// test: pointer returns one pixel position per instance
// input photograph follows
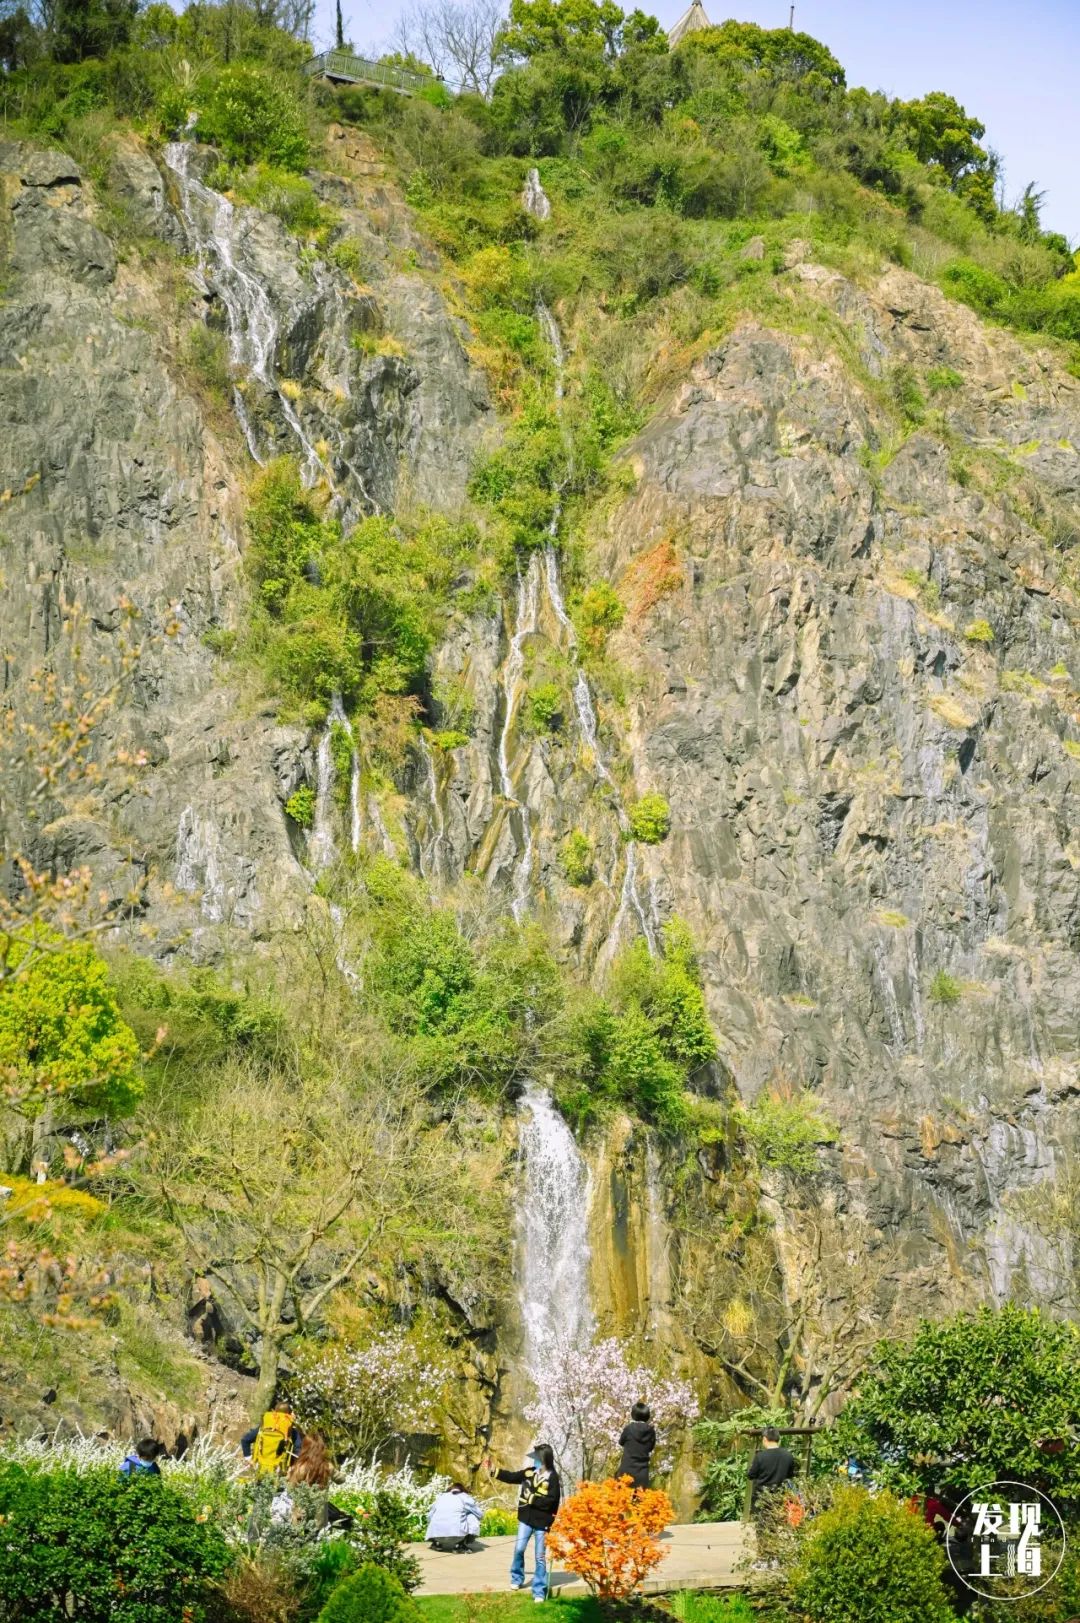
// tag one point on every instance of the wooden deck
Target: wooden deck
(700, 1555)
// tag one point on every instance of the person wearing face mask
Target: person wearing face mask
(539, 1492)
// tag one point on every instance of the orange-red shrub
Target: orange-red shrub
(607, 1534)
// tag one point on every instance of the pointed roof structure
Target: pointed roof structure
(688, 23)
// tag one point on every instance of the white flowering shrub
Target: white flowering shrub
(358, 1481)
(362, 1398)
(585, 1401)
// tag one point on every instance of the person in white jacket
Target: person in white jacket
(454, 1520)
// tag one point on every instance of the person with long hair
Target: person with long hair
(538, 1500)
(312, 1463)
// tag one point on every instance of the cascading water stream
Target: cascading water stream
(526, 620)
(430, 856)
(534, 199)
(553, 1235)
(322, 848)
(535, 202)
(252, 324)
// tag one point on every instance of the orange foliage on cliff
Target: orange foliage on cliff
(651, 576)
(607, 1534)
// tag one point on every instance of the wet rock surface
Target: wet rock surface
(860, 699)
(853, 664)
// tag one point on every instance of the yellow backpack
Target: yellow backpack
(272, 1448)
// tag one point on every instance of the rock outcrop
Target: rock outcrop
(852, 643)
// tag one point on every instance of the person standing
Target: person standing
(274, 1446)
(538, 1501)
(771, 1466)
(637, 1442)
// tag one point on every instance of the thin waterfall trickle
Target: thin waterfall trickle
(430, 856)
(553, 1235)
(536, 202)
(252, 324)
(355, 822)
(534, 199)
(323, 845)
(528, 609)
(199, 864)
(379, 825)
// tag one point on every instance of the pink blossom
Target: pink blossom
(584, 1401)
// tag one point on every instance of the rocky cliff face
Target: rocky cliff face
(860, 695)
(854, 657)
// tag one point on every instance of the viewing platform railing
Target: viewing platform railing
(345, 68)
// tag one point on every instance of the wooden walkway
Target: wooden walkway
(700, 1555)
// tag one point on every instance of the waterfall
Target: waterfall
(198, 863)
(354, 800)
(553, 1236)
(252, 324)
(583, 699)
(375, 813)
(555, 598)
(629, 901)
(528, 607)
(438, 824)
(892, 1005)
(657, 1255)
(323, 845)
(534, 199)
(916, 992)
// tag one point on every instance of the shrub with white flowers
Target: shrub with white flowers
(362, 1398)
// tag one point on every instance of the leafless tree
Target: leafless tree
(282, 1188)
(456, 38)
(792, 1311)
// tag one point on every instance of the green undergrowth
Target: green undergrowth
(357, 614)
(493, 1010)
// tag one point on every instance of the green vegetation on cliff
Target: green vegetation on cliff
(335, 1145)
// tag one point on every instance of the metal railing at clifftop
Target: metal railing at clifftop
(345, 68)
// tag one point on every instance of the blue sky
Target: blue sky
(1012, 63)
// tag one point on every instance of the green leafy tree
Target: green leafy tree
(63, 1043)
(942, 133)
(655, 1034)
(779, 53)
(784, 1131)
(576, 858)
(987, 1395)
(727, 1450)
(253, 116)
(650, 819)
(103, 1549)
(78, 29)
(869, 1559)
(300, 806)
(568, 27)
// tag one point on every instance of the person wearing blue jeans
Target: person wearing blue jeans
(539, 1492)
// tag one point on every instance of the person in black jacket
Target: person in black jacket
(771, 1466)
(538, 1501)
(637, 1441)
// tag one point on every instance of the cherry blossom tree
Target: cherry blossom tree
(584, 1401)
(361, 1398)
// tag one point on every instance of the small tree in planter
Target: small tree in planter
(607, 1533)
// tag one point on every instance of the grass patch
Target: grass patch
(487, 1608)
(945, 989)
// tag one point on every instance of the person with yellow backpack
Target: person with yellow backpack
(273, 1446)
